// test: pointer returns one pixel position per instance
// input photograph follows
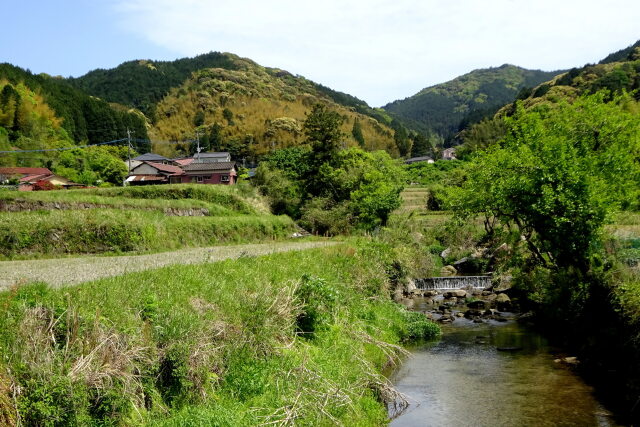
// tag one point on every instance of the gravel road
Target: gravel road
(71, 271)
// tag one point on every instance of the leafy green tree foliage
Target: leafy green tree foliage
(421, 145)
(228, 116)
(93, 165)
(198, 119)
(322, 129)
(556, 175)
(401, 138)
(481, 136)
(356, 132)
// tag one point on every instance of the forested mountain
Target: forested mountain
(43, 118)
(234, 104)
(449, 107)
(617, 73)
(84, 118)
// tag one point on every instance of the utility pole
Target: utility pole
(129, 144)
(198, 144)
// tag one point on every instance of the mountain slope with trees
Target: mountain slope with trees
(449, 107)
(234, 103)
(43, 119)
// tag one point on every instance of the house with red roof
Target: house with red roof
(154, 173)
(29, 177)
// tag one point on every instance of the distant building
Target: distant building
(151, 157)
(154, 173)
(28, 177)
(211, 157)
(449, 153)
(211, 173)
(418, 160)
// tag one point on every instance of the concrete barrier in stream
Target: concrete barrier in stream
(453, 282)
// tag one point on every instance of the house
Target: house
(210, 173)
(154, 173)
(211, 157)
(418, 160)
(184, 161)
(151, 157)
(449, 153)
(28, 177)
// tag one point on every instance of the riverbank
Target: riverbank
(295, 338)
(495, 373)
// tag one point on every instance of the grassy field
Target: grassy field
(287, 339)
(117, 220)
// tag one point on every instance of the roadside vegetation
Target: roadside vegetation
(296, 338)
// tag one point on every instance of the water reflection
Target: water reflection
(465, 380)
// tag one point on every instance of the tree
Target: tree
(556, 176)
(401, 138)
(356, 132)
(421, 145)
(322, 129)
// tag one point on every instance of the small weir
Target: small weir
(454, 282)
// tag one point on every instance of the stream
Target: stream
(495, 373)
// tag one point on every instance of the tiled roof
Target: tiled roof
(183, 162)
(214, 154)
(34, 178)
(214, 166)
(173, 170)
(150, 157)
(25, 171)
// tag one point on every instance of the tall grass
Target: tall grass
(212, 344)
(113, 230)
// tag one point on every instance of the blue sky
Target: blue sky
(377, 50)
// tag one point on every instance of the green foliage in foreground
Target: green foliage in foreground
(113, 230)
(557, 175)
(212, 344)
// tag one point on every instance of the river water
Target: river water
(493, 374)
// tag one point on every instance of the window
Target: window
(199, 178)
(224, 178)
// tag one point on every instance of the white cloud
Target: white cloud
(381, 50)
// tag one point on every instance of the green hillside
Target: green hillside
(243, 107)
(614, 76)
(81, 117)
(617, 73)
(251, 110)
(448, 107)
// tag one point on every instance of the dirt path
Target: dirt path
(71, 271)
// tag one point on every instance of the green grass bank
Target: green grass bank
(140, 219)
(292, 339)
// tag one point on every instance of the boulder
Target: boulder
(431, 293)
(448, 270)
(502, 298)
(411, 286)
(505, 282)
(471, 314)
(456, 293)
(491, 298)
(463, 265)
(476, 304)
(444, 254)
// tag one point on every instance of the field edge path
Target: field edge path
(72, 271)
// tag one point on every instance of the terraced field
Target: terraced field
(133, 219)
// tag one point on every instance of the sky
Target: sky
(377, 50)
